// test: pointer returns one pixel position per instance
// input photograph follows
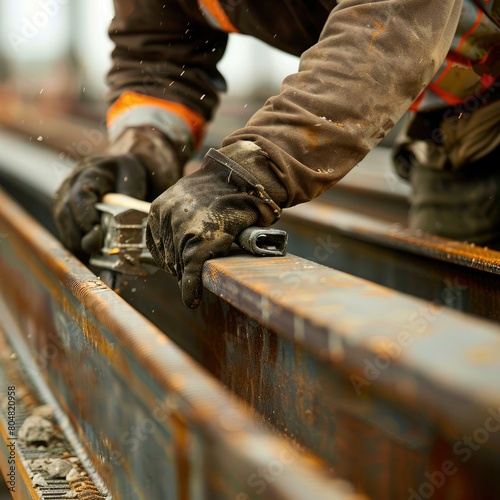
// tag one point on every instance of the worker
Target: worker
(362, 65)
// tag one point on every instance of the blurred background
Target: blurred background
(54, 55)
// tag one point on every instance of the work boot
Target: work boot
(462, 205)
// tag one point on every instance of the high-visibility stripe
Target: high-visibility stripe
(470, 30)
(459, 78)
(130, 100)
(416, 103)
(455, 54)
(447, 97)
(215, 14)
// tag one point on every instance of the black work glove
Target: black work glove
(141, 163)
(201, 215)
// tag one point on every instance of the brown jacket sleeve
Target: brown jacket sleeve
(164, 52)
(164, 70)
(371, 62)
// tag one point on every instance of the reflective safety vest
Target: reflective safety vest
(472, 64)
(475, 49)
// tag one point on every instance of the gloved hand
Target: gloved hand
(201, 215)
(141, 163)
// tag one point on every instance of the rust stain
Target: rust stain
(312, 137)
(181, 445)
(85, 489)
(178, 381)
(380, 28)
(384, 347)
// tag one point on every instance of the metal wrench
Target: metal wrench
(124, 248)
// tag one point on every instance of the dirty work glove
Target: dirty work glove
(141, 163)
(201, 215)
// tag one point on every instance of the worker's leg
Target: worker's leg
(463, 205)
(455, 173)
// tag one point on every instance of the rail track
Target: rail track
(291, 377)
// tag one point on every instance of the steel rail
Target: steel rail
(154, 424)
(394, 235)
(20, 460)
(388, 254)
(344, 366)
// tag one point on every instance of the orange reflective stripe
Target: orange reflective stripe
(453, 58)
(416, 103)
(129, 100)
(447, 97)
(215, 10)
(470, 31)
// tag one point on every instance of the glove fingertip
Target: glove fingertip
(67, 228)
(92, 242)
(192, 290)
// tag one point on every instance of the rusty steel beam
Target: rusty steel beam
(23, 458)
(154, 424)
(345, 322)
(388, 234)
(301, 343)
(385, 252)
(385, 388)
(382, 387)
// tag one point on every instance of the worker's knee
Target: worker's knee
(463, 205)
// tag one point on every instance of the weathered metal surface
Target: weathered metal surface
(347, 321)
(385, 389)
(362, 246)
(23, 459)
(154, 423)
(396, 236)
(381, 386)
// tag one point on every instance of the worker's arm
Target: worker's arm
(164, 70)
(371, 61)
(163, 89)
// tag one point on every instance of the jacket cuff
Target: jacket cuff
(184, 127)
(257, 163)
